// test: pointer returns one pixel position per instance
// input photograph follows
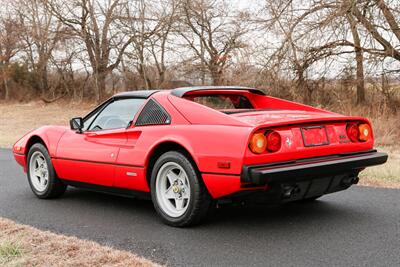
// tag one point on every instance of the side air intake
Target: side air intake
(153, 114)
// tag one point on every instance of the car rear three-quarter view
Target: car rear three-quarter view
(189, 148)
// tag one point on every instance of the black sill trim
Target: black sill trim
(180, 92)
(124, 192)
(222, 174)
(99, 162)
(308, 169)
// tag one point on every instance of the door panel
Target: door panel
(131, 177)
(89, 157)
(130, 172)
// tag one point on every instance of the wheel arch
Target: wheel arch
(162, 148)
(34, 139)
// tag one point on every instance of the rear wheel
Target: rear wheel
(41, 174)
(177, 191)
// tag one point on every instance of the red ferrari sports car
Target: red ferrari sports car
(190, 147)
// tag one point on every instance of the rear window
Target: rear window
(222, 102)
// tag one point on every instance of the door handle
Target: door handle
(91, 134)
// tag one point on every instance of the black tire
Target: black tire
(200, 200)
(54, 187)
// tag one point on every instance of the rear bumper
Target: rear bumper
(310, 169)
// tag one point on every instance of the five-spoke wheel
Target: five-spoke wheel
(177, 190)
(173, 189)
(41, 174)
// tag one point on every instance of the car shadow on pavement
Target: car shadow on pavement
(232, 216)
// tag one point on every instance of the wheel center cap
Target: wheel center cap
(176, 189)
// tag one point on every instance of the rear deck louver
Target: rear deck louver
(153, 114)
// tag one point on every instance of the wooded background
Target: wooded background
(331, 53)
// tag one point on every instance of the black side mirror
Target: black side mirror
(76, 124)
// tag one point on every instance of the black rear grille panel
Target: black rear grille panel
(153, 114)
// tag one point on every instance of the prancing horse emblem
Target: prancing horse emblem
(288, 142)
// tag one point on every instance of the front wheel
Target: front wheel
(42, 177)
(177, 191)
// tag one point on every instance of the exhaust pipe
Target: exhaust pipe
(289, 190)
(348, 181)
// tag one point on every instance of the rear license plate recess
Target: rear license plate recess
(315, 136)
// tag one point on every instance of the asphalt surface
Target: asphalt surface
(357, 227)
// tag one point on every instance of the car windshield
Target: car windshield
(223, 103)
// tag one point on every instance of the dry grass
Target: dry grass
(384, 122)
(387, 175)
(22, 245)
(16, 119)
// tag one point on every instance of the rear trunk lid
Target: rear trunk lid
(304, 134)
(280, 117)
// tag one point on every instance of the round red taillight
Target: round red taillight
(273, 141)
(353, 132)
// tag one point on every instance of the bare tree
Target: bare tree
(213, 33)
(158, 42)
(41, 34)
(319, 30)
(299, 30)
(95, 23)
(78, 47)
(141, 25)
(10, 31)
(379, 21)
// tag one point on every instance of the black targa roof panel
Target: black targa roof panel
(136, 94)
(181, 91)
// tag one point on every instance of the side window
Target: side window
(219, 102)
(89, 120)
(117, 114)
(153, 114)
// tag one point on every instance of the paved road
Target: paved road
(358, 227)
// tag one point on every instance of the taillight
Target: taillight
(270, 141)
(273, 141)
(353, 132)
(359, 132)
(365, 132)
(258, 143)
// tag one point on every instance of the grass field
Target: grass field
(17, 119)
(22, 245)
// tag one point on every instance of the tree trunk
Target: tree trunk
(216, 76)
(7, 90)
(5, 82)
(359, 60)
(303, 87)
(100, 81)
(360, 76)
(161, 76)
(43, 83)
